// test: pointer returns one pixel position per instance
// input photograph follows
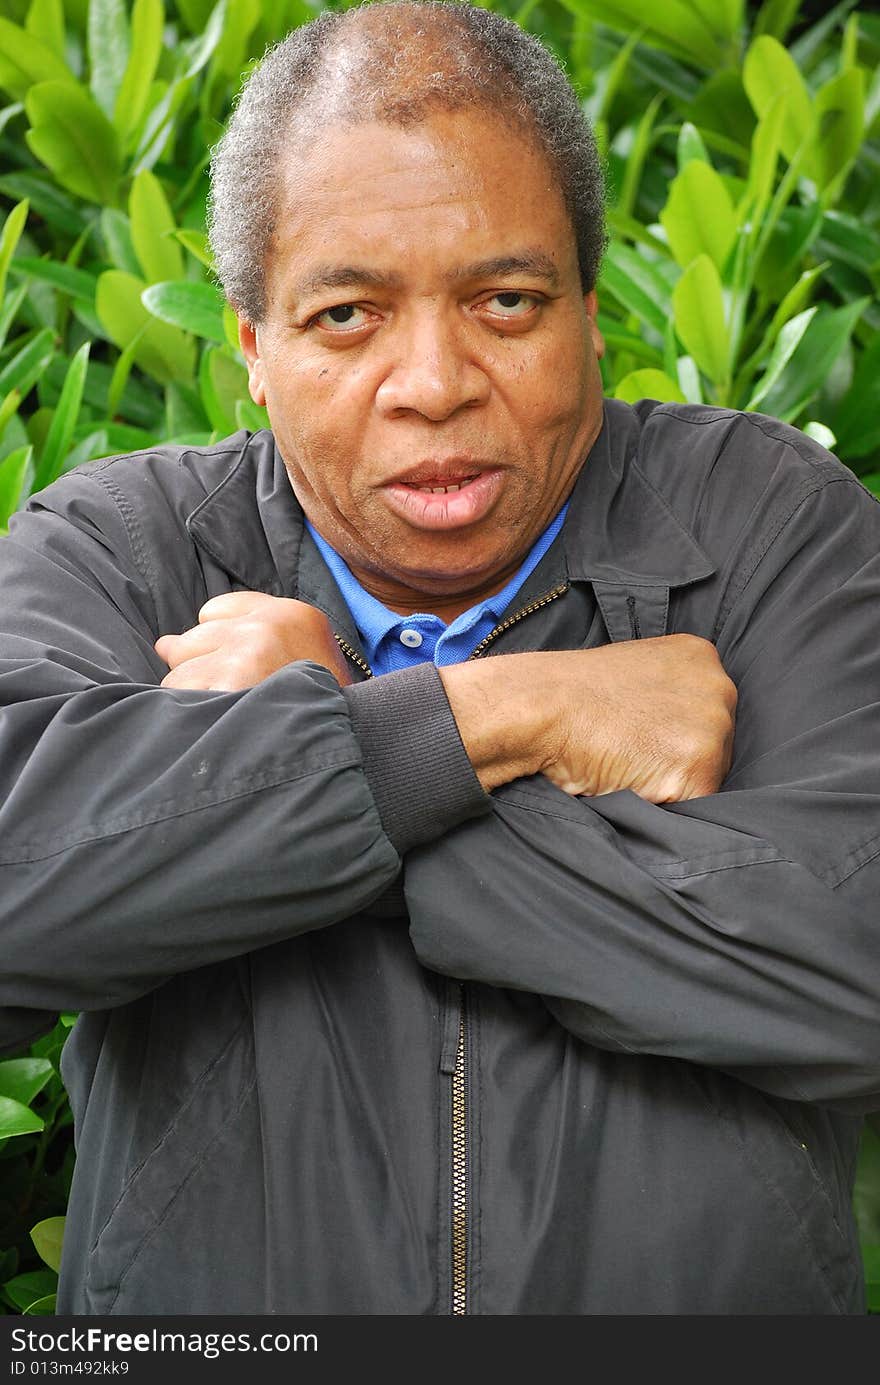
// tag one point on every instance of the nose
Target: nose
(432, 371)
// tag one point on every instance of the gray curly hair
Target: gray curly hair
(394, 61)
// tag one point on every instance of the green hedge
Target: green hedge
(743, 153)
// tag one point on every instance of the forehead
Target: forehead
(458, 185)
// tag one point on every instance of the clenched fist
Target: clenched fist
(654, 716)
(243, 637)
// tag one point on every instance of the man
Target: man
(504, 981)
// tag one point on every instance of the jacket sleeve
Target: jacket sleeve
(738, 930)
(145, 831)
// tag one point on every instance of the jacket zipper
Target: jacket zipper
(459, 1168)
(459, 1133)
(536, 605)
(353, 655)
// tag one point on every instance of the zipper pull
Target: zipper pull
(451, 1020)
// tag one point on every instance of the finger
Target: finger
(176, 649)
(231, 605)
(208, 673)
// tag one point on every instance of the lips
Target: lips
(439, 488)
(442, 496)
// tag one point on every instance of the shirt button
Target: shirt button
(411, 638)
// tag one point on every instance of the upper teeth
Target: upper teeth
(441, 490)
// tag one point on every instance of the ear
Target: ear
(247, 336)
(591, 303)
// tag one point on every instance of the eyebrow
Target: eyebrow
(323, 277)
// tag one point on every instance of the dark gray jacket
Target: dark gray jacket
(616, 1055)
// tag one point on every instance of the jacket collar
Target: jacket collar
(620, 534)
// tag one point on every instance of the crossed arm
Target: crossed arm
(654, 716)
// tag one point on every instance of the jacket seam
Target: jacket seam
(871, 847)
(258, 784)
(148, 1236)
(754, 556)
(133, 533)
(167, 1133)
(779, 1195)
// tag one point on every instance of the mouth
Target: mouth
(444, 495)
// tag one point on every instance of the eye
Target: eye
(344, 317)
(510, 303)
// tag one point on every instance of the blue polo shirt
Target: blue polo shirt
(392, 641)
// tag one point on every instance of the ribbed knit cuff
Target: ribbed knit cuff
(414, 760)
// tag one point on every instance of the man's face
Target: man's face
(427, 357)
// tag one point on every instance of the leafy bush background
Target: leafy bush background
(743, 152)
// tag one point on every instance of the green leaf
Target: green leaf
(9, 113)
(783, 350)
(809, 367)
(232, 50)
(721, 107)
(196, 308)
(108, 44)
(75, 282)
(8, 407)
(698, 217)
(840, 109)
(222, 381)
(857, 418)
(794, 300)
(47, 1237)
(16, 1119)
(769, 74)
(64, 421)
(163, 352)
(637, 157)
(42, 1307)
(776, 17)
(28, 364)
(116, 234)
(648, 384)
(690, 146)
(121, 372)
(9, 238)
(806, 48)
(147, 19)
(675, 24)
(45, 21)
(60, 210)
(251, 416)
(195, 13)
(230, 328)
(620, 279)
(820, 433)
(152, 229)
(72, 137)
(26, 59)
(184, 413)
(9, 310)
(793, 235)
(13, 473)
(22, 1078)
(197, 53)
(27, 1288)
(698, 310)
(849, 240)
(766, 144)
(689, 380)
(158, 126)
(196, 242)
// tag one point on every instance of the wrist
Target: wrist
(502, 713)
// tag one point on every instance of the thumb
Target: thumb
(230, 605)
